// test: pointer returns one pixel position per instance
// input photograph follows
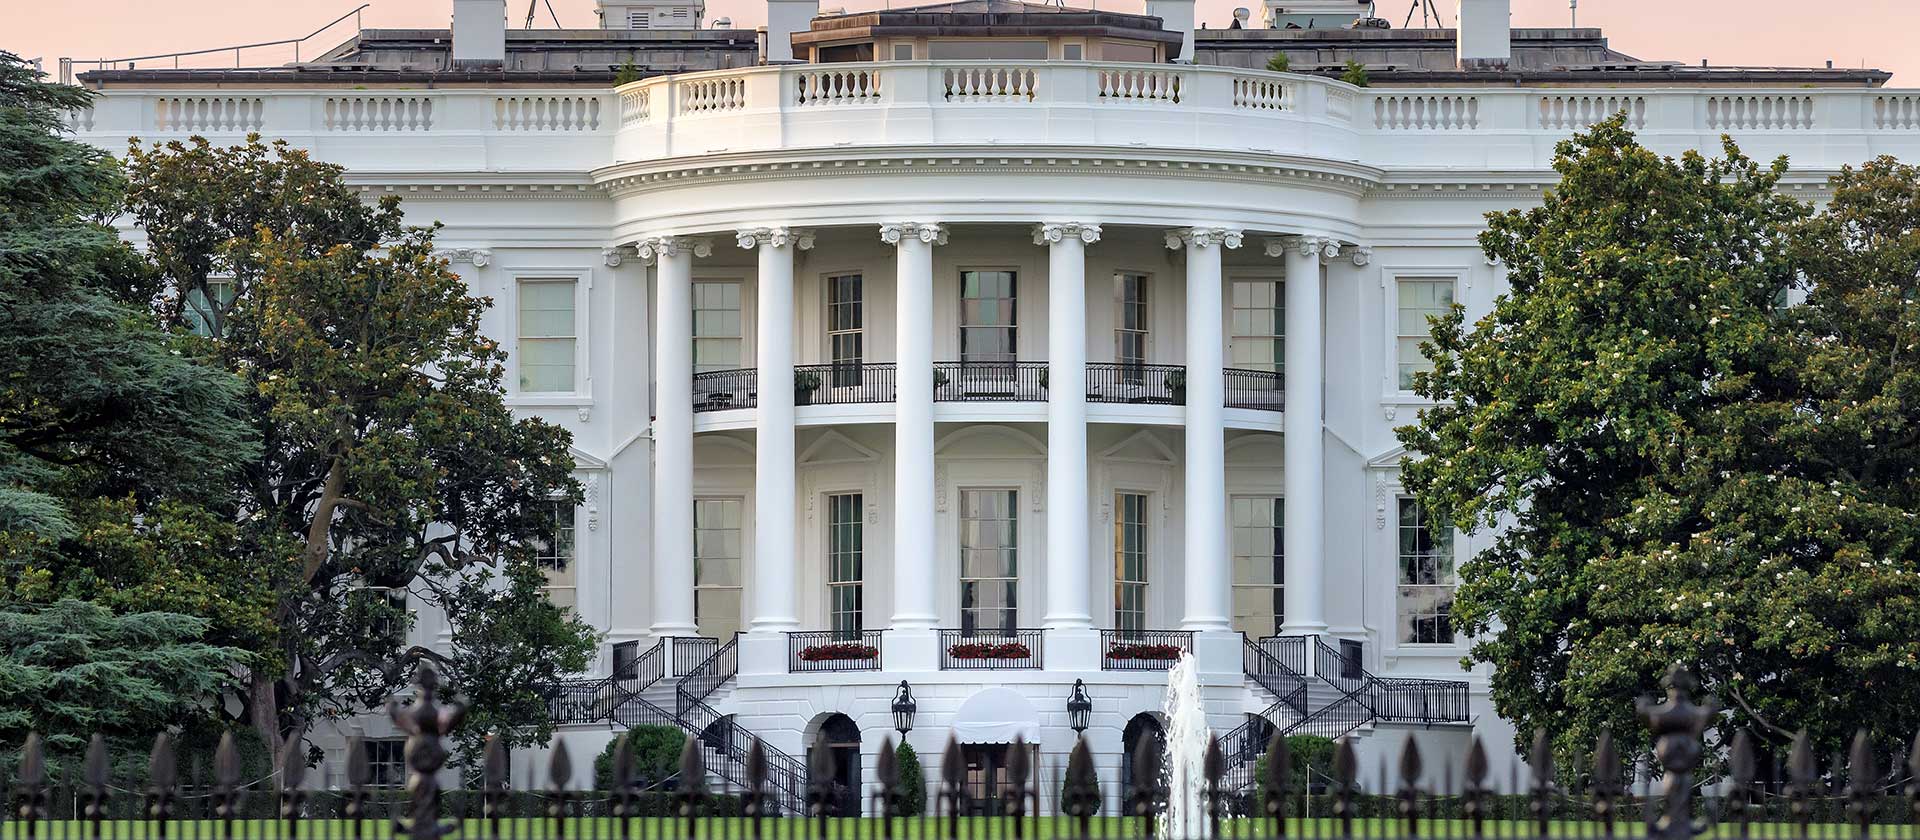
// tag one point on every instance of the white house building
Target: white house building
(1096, 332)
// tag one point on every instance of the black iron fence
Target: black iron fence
(990, 650)
(833, 650)
(1143, 650)
(719, 390)
(844, 383)
(690, 651)
(1290, 650)
(1286, 683)
(996, 381)
(1259, 389)
(1128, 382)
(766, 794)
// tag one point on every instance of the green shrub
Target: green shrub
(656, 755)
(1311, 757)
(627, 74)
(1279, 63)
(1356, 74)
(913, 782)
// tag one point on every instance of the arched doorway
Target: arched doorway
(1143, 732)
(841, 738)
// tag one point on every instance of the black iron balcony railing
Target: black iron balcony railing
(719, 390)
(844, 383)
(1392, 698)
(833, 650)
(1129, 382)
(1258, 389)
(990, 650)
(1143, 650)
(990, 381)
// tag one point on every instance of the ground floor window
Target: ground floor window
(1259, 565)
(1130, 561)
(386, 762)
(989, 559)
(718, 547)
(1426, 577)
(987, 777)
(846, 545)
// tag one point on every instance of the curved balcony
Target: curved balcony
(1011, 381)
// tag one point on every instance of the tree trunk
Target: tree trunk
(264, 709)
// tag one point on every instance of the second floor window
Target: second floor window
(1130, 561)
(1130, 321)
(717, 326)
(1418, 301)
(988, 317)
(1426, 577)
(207, 307)
(547, 337)
(846, 327)
(1258, 328)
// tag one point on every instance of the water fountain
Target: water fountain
(1187, 734)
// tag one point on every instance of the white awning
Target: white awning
(996, 716)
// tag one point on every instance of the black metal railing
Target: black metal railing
(990, 381)
(1290, 650)
(785, 775)
(1392, 698)
(1286, 683)
(690, 651)
(719, 390)
(699, 682)
(1128, 382)
(846, 384)
(1143, 650)
(833, 650)
(766, 794)
(593, 700)
(990, 650)
(1259, 389)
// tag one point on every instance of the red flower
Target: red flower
(838, 652)
(990, 650)
(1144, 651)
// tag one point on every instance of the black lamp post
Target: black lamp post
(903, 709)
(1079, 707)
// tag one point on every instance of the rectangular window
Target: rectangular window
(846, 327)
(1259, 325)
(1259, 565)
(846, 546)
(547, 337)
(1073, 52)
(1130, 322)
(989, 559)
(902, 52)
(386, 762)
(988, 317)
(556, 557)
(1418, 301)
(207, 307)
(718, 548)
(1121, 51)
(1130, 561)
(717, 326)
(998, 48)
(1426, 577)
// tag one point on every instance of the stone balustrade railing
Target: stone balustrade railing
(972, 104)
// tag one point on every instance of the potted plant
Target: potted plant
(989, 650)
(940, 379)
(839, 652)
(1144, 650)
(1177, 386)
(805, 382)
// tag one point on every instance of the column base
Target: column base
(910, 649)
(663, 631)
(763, 653)
(1072, 649)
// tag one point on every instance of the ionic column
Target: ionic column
(1305, 508)
(673, 431)
(1209, 572)
(775, 593)
(913, 477)
(1069, 596)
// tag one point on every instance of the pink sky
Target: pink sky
(1873, 33)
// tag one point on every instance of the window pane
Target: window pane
(546, 345)
(1425, 599)
(1258, 323)
(1418, 300)
(844, 561)
(1130, 561)
(989, 558)
(717, 551)
(1259, 572)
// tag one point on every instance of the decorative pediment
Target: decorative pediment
(1389, 460)
(582, 460)
(835, 448)
(1142, 447)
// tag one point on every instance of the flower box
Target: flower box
(839, 652)
(1159, 653)
(990, 650)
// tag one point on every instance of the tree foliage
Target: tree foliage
(1675, 466)
(391, 462)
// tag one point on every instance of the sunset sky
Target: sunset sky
(1871, 33)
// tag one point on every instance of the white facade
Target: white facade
(657, 251)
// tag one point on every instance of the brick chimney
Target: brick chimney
(1485, 37)
(479, 34)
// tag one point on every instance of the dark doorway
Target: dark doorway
(1143, 732)
(842, 740)
(987, 777)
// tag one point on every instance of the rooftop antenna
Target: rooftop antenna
(533, 7)
(1573, 14)
(1425, 8)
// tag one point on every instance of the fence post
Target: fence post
(227, 793)
(1473, 802)
(1863, 786)
(426, 722)
(1410, 786)
(1540, 761)
(32, 788)
(1082, 795)
(98, 772)
(1677, 724)
(162, 775)
(1606, 781)
(494, 777)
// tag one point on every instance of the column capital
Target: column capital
(616, 255)
(1047, 233)
(477, 257)
(672, 246)
(1360, 254)
(1203, 237)
(1308, 245)
(778, 237)
(930, 232)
